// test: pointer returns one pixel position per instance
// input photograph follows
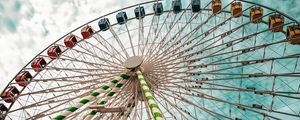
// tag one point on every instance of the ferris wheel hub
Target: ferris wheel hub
(133, 62)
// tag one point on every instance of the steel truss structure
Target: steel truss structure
(194, 65)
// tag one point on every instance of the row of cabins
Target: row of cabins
(276, 23)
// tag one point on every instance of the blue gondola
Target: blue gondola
(195, 5)
(3, 108)
(121, 18)
(139, 12)
(177, 6)
(104, 24)
(158, 8)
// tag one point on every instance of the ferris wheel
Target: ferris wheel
(198, 59)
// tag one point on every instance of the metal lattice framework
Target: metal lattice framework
(195, 65)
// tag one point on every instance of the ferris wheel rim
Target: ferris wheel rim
(133, 18)
(39, 54)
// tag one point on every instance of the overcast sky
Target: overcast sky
(28, 26)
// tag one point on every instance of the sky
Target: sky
(29, 26)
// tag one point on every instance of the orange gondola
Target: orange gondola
(236, 9)
(216, 6)
(276, 22)
(256, 14)
(293, 34)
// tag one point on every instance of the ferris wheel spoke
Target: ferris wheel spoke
(180, 98)
(107, 45)
(265, 92)
(56, 89)
(163, 39)
(109, 48)
(95, 80)
(201, 42)
(87, 71)
(103, 51)
(51, 101)
(134, 110)
(79, 69)
(179, 110)
(231, 89)
(241, 63)
(191, 32)
(206, 33)
(169, 28)
(90, 64)
(119, 41)
(167, 110)
(238, 74)
(134, 104)
(157, 33)
(130, 39)
(240, 106)
(201, 82)
(130, 106)
(141, 36)
(84, 45)
(47, 101)
(233, 42)
(243, 51)
(95, 56)
(152, 24)
(111, 62)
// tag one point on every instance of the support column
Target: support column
(157, 114)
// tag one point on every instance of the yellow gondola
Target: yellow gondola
(216, 6)
(256, 14)
(236, 9)
(293, 34)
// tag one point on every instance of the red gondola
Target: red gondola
(87, 32)
(70, 41)
(38, 64)
(24, 78)
(54, 52)
(9, 95)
